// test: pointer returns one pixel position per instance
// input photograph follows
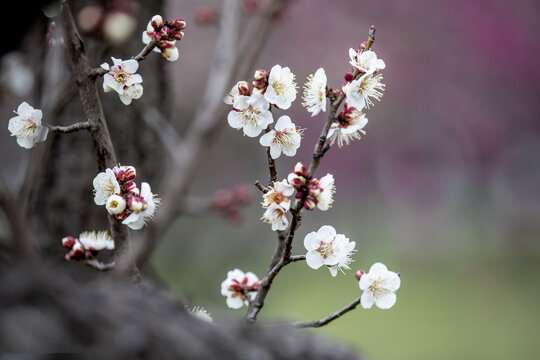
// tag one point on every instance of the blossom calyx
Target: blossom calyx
(300, 170)
(68, 242)
(359, 274)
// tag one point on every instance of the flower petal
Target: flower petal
(385, 301)
(367, 300)
(314, 260)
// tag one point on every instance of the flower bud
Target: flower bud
(310, 203)
(349, 77)
(176, 35)
(260, 74)
(296, 181)
(124, 173)
(315, 191)
(178, 24)
(76, 252)
(164, 33)
(359, 274)
(89, 254)
(362, 46)
(168, 51)
(298, 195)
(123, 214)
(115, 204)
(157, 22)
(300, 169)
(336, 92)
(130, 187)
(137, 204)
(68, 242)
(243, 88)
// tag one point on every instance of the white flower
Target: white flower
(326, 247)
(232, 95)
(348, 128)
(360, 91)
(284, 138)
(105, 185)
(250, 114)
(325, 198)
(123, 79)
(96, 241)
(115, 204)
(279, 195)
(276, 216)
(281, 90)
(366, 61)
(26, 126)
(239, 287)
(315, 92)
(137, 219)
(379, 286)
(201, 314)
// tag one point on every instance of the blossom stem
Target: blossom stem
(329, 318)
(84, 125)
(271, 163)
(260, 187)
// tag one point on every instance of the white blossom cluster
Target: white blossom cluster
(87, 245)
(240, 288)
(251, 110)
(167, 33)
(116, 189)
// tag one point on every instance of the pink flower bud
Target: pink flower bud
(298, 195)
(176, 35)
(124, 173)
(300, 169)
(131, 188)
(296, 181)
(315, 191)
(137, 204)
(168, 51)
(76, 252)
(178, 24)
(349, 77)
(243, 194)
(362, 46)
(123, 215)
(310, 203)
(336, 92)
(205, 15)
(223, 198)
(359, 274)
(68, 242)
(157, 22)
(260, 74)
(164, 33)
(243, 88)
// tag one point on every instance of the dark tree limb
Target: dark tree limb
(85, 125)
(329, 318)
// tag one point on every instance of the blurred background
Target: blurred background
(443, 188)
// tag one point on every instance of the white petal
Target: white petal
(310, 241)
(378, 269)
(275, 151)
(105, 66)
(326, 232)
(25, 142)
(134, 221)
(134, 79)
(234, 302)
(267, 138)
(235, 120)
(283, 123)
(333, 270)
(252, 278)
(252, 131)
(367, 300)
(25, 110)
(365, 282)
(125, 98)
(130, 66)
(241, 102)
(385, 301)
(393, 281)
(314, 260)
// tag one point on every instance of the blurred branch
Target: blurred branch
(329, 318)
(163, 130)
(96, 264)
(230, 62)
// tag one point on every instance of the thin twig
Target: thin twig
(271, 163)
(163, 130)
(260, 187)
(295, 258)
(84, 125)
(329, 318)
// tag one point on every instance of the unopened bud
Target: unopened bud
(115, 204)
(178, 24)
(349, 77)
(359, 274)
(176, 35)
(296, 181)
(131, 188)
(362, 46)
(315, 191)
(260, 74)
(168, 51)
(300, 169)
(68, 242)
(298, 195)
(124, 173)
(77, 251)
(310, 203)
(137, 204)
(336, 92)
(123, 214)
(157, 22)
(164, 33)
(243, 88)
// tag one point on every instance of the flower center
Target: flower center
(275, 197)
(283, 139)
(279, 87)
(325, 249)
(377, 287)
(249, 116)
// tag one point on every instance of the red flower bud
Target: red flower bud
(359, 274)
(178, 24)
(68, 242)
(349, 77)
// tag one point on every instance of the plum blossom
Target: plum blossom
(284, 138)
(348, 127)
(281, 90)
(359, 92)
(96, 241)
(239, 288)
(326, 247)
(366, 61)
(276, 216)
(142, 207)
(250, 113)
(168, 33)
(279, 195)
(26, 126)
(315, 92)
(325, 198)
(379, 286)
(235, 92)
(105, 185)
(123, 79)
(115, 204)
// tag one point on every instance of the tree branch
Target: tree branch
(297, 258)
(329, 318)
(96, 264)
(84, 125)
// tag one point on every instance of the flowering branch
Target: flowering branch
(329, 318)
(271, 163)
(260, 187)
(93, 109)
(84, 125)
(295, 258)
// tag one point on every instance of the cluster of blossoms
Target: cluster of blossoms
(116, 189)
(123, 79)
(239, 288)
(318, 193)
(277, 203)
(229, 203)
(166, 33)
(88, 245)
(251, 109)
(26, 126)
